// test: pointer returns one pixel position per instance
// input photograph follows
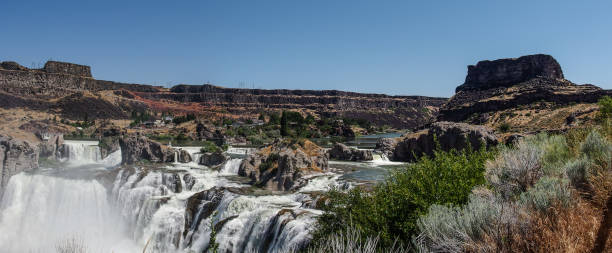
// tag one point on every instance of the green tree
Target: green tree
(284, 125)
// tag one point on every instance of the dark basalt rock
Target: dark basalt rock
(136, 148)
(282, 165)
(67, 68)
(200, 206)
(450, 135)
(11, 65)
(15, 156)
(344, 153)
(385, 146)
(507, 72)
(184, 156)
(213, 159)
(492, 86)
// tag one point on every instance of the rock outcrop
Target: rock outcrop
(344, 153)
(213, 159)
(108, 135)
(11, 65)
(498, 85)
(135, 148)
(385, 146)
(507, 72)
(283, 164)
(15, 156)
(183, 156)
(50, 147)
(449, 135)
(67, 68)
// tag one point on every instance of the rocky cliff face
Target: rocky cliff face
(398, 111)
(283, 165)
(492, 86)
(63, 86)
(15, 156)
(449, 135)
(507, 72)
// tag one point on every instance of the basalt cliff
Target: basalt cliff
(501, 101)
(530, 84)
(71, 91)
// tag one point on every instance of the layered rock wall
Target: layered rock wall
(15, 156)
(507, 72)
(508, 83)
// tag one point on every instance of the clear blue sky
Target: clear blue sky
(392, 47)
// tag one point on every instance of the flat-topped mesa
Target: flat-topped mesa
(67, 68)
(507, 72)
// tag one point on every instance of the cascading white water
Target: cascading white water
(150, 205)
(231, 167)
(82, 152)
(38, 212)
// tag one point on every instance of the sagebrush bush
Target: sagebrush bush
(514, 170)
(596, 147)
(484, 224)
(577, 170)
(351, 240)
(546, 192)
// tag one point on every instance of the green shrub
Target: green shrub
(392, 208)
(504, 127)
(211, 147)
(605, 107)
(546, 192)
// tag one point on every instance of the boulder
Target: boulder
(342, 152)
(283, 164)
(449, 135)
(183, 156)
(135, 148)
(385, 146)
(507, 72)
(15, 156)
(213, 159)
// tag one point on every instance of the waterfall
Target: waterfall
(172, 208)
(231, 167)
(38, 212)
(154, 206)
(81, 152)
